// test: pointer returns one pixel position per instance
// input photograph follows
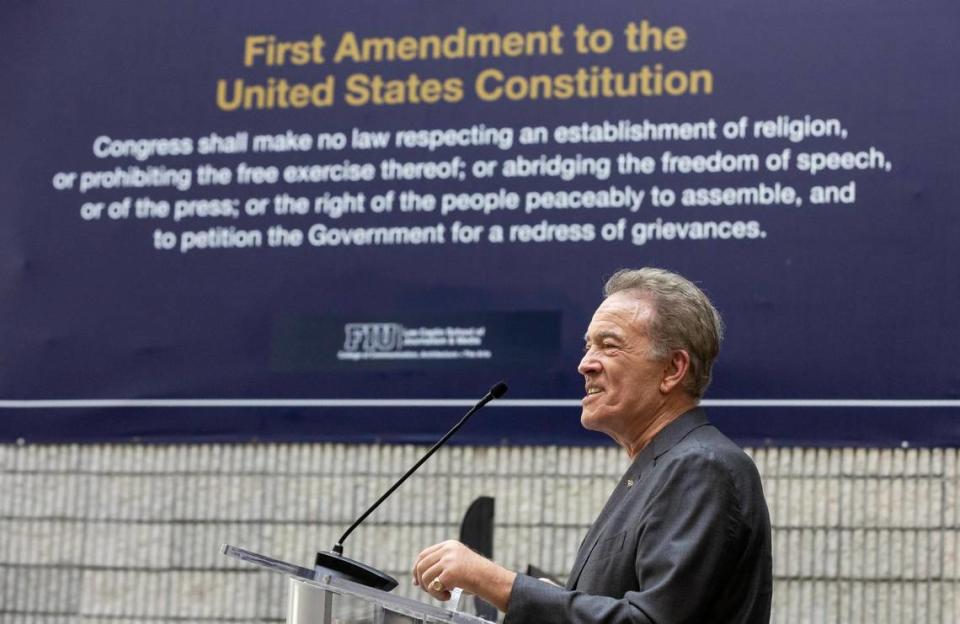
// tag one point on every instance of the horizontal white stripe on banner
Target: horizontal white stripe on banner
(94, 403)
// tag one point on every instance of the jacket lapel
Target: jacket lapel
(597, 530)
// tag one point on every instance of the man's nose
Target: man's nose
(588, 364)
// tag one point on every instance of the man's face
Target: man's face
(621, 376)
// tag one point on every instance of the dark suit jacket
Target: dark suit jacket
(684, 537)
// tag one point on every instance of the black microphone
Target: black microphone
(350, 569)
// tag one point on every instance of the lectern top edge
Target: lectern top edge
(269, 563)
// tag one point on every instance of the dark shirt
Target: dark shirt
(684, 537)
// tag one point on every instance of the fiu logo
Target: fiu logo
(372, 337)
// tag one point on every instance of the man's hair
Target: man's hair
(683, 318)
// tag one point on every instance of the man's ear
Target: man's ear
(675, 370)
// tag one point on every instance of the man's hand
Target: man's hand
(450, 564)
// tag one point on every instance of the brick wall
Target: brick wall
(130, 533)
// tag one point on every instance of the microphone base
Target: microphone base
(345, 567)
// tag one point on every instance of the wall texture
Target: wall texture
(131, 533)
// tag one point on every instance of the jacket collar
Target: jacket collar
(667, 438)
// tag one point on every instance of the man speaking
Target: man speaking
(685, 534)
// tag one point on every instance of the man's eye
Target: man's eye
(602, 347)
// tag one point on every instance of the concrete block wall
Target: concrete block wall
(130, 533)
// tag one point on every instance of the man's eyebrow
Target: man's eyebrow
(602, 335)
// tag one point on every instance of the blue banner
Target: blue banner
(346, 221)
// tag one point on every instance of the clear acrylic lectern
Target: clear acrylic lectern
(320, 597)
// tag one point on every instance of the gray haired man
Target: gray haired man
(685, 534)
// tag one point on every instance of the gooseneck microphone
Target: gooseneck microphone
(336, 563)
